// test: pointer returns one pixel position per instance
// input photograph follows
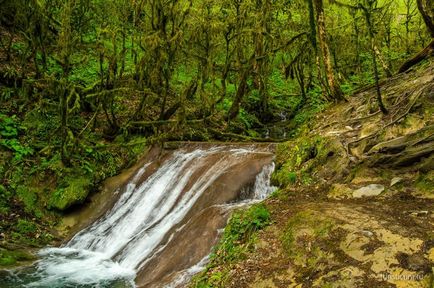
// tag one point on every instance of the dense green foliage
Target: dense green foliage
(85, 85)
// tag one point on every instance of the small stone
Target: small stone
(353, 159)
(419, 213)
(395, 181)
(367, 233)
(369, 191)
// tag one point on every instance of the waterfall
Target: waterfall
(114, 247)
(263, 187)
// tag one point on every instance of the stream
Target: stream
(160, 230)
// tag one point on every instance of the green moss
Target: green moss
(238, 239)
(9, 257)
(300, 160)
(75, 192)
(302, 235)
(425, 182)
(5, 196)
(28, 196)
(23, 226)
(239, 232)
(295, 160)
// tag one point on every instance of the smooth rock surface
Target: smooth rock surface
(369, 191)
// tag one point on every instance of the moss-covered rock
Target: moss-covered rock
(293, 160)
(303, 238)
(12, 257)
(304, 159)
(340, 191)
(425, 185)
(74, 193)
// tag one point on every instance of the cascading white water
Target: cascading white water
(263, 186)
(121, 242)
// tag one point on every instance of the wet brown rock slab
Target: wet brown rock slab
(192, 239)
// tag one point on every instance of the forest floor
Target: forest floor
(357, 210)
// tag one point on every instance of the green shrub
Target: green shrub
(25, 227)
(9, 130)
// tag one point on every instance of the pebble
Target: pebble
(367, 233)
(395, 181)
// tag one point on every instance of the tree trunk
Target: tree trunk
(383, 62)
(426, 8)
(335, 91)
(242, 88)
(64, 124)
(367, 12)
(419, 57)
(312, 25)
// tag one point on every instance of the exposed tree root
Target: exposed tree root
(409, 156)
(399, 144)
(394, 121)
(403, 151)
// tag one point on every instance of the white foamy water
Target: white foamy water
(263, 187)
(121, 241)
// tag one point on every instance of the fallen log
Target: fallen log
(427, 52)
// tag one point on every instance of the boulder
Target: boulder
(369, 191)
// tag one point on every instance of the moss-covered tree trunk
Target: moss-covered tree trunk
(335, 91)
(426, 9)
(368, 16)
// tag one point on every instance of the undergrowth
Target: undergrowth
(237, 241)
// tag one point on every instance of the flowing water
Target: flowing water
(147, 220)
